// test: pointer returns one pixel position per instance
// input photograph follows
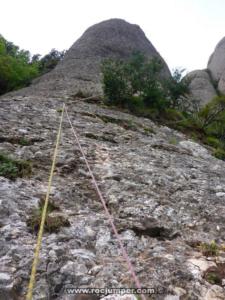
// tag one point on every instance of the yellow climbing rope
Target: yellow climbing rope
(43, 217)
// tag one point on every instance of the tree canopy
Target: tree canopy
(18, 67)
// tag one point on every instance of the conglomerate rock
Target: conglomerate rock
(166, 194)
(80, 70)
(216, 64)
(221, 84)
(206, 84)
(201, 87)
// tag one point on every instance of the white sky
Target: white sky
(185, 32)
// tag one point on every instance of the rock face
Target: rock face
(165, 198)
(221, 84)
(216, 63)
(201, 87)
(80, 69)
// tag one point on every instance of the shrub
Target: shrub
(212, 141)
(24, 142)
(219, 153)
(115, 84)
(171, 114)
(214, 112)
(12, 169)
(213, 278)
(138, 83)
(215, 274)
(213, 123)
(135, 104)
(137, 77)
(177, 89)
(148, 130)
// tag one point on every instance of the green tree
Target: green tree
(138, 77)
(50, 60)
(18, 68)
(116, 87)
(177, 88)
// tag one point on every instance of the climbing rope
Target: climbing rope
(125, 255)
(44, 212)
(43, 216)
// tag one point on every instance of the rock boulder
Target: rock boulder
(216, 64)
(221, 84)
(200, 86)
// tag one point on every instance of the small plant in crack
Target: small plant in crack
(209, 249)
(24, 142)
(54, 218)
(59, 110)
(173, 141)
(215, 274)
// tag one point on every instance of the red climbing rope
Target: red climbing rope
(125, 255)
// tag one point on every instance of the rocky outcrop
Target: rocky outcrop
(221, 84)
(80, 69)
(205, 84)
(201, 87)
(216, 64)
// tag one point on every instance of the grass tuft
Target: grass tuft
(54, 218)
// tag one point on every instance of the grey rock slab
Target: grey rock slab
(201, 87)
(196, 149)
(216, 63)
(72, 267)
(221, 84)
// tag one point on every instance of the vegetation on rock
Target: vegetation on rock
(54, 219)
(11, 168)
(209, 249)
(137, 85)
(49, 61)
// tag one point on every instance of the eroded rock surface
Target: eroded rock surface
(204, 85)
(165, 198)
(221, 84)
(216, 63)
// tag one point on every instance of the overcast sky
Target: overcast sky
(185, 32)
